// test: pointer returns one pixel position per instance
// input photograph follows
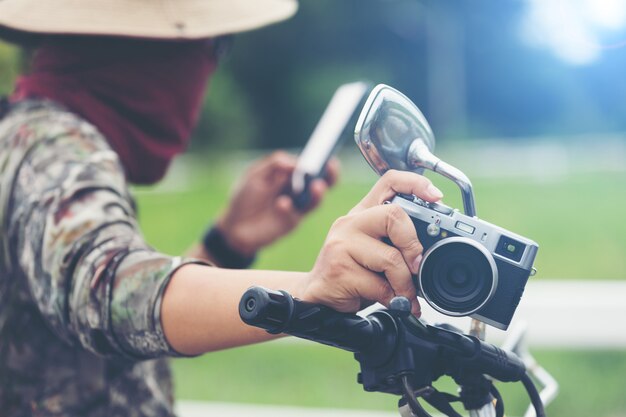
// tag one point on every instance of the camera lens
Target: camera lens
(457, 276)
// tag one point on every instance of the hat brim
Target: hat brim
(158, 19)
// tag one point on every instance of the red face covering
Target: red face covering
(144, 96)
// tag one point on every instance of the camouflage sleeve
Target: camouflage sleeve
(76, 241)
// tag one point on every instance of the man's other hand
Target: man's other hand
(260, 210)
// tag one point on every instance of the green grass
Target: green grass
(578, 222)
(308, 375)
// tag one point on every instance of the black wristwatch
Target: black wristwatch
(215, 244)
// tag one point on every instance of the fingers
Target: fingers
(285, 203)
(276, 169)
(289, 212)
(399, 182)
(317, 189)
(359, 288)
(361, 234)
(278, 161)
(389, 220)
(373, 288)
(273, 172)
(319, 186)
(379, 257)
(332, 171)
(281, 161)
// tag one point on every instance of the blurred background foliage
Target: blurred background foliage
(526, 96)
(476, 69)
(8, 67)
(470, 67)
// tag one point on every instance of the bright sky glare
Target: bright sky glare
(573, 30)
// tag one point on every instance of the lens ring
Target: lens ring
(457, 276)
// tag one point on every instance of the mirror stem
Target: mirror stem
(464, 184)
(419, 156)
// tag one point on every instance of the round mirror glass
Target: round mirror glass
(386, 128)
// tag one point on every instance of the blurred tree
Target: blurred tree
(290, 71)
(8, 67)
(228, 120)
(465, 64)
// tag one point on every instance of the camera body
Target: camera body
(470, 267)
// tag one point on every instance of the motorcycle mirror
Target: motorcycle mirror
(392, 133)
(388, 125)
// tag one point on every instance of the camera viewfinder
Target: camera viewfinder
(510, 248)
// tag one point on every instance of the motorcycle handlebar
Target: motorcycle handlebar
(389, 344)
(278, 312)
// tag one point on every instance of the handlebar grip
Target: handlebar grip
(502, 365)
(278, 312)
(469, 354)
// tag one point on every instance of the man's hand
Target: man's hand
(260, 211)
(355, 267)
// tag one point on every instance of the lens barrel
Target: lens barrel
(458, 276)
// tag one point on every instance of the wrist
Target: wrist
(236, 239)
(299, 286)
(226, 253)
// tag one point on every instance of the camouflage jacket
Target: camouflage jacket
(80, 290)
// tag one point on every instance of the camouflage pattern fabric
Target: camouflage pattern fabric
(80, 290)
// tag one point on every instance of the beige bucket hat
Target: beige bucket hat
(160, 19)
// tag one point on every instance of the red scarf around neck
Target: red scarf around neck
(144, 96)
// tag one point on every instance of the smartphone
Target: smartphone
(325, 139)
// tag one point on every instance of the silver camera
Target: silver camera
(470, 267)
